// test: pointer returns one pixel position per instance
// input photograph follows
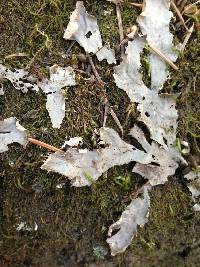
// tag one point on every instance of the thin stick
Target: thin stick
(181, 4)
(105, 99)
(179, 14)
(106, 111)
(120, 25)
(187, 37)
(114, 116)
(136, 5)
(42, 144)
(160, 54)
(94, 69)
(16, 55)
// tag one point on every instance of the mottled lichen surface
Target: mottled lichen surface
(73, 222)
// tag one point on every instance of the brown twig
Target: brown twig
(187, 37)
(179, 14)
(106, 111)
(160, 54)
(136, 5)
(120, 25)
(42, 144)
(115, 118)
(129, 36)
(101, 85)
(94, 69)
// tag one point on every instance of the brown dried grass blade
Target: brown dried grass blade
(42, 144)
(16, 55)
(136, 5)
(179, 14)
(166, 59)
(120, 25)
(187, 37)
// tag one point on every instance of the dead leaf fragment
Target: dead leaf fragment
(84, 168)
(154, 23)
(163, 163)
(136, 214)
(106, 53)
(84, 29)
(73, 142)
(194, 186)
(53, 87)
(11, 132)
(19, 78)
(158, 112)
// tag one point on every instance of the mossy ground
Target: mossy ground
(73, 221)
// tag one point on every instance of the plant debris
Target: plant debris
(73, 142)
(53, 88)
(136, 214)
(83, 167)
(11, 132)
(84, 29)
(194, 186)
(106, 53)
(82, 24)
(154, 23)
(78, 164)
(23, 226)
(19, 78)
(158, 112)
(156, 158)
(163, 162)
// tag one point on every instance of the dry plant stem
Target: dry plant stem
(136, 5)
(187, 37)
(94, 69)
(179, 14)
(16, 55)
(105, 115)
(195, 3)
(42, 144)
(114, 116)
(160, 54)
(108, 109)
(120, 25)
(182, 4)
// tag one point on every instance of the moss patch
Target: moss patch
(72, 222)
